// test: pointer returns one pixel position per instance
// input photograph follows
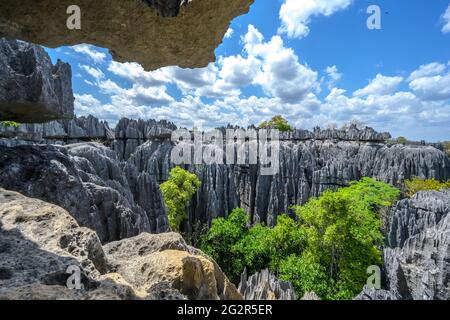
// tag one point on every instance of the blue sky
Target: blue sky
(313, 61)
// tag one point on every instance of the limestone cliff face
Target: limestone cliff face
(307, 168)
(417, 254)
(40, 241)
(154, 33)
(32, 89)
(310, 163)
(110, 197)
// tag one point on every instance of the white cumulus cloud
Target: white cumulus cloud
(90, 51)
(446, 18)
(380, 85)
(229, 33)
(295, 15)
(427, 70)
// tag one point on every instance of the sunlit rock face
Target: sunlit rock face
(154, 33)
(32, 89)
(40, 241)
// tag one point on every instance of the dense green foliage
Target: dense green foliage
(177, 192)
(277, 122)
(343, 231)
(327, 249)
(415, 185)
(9, 124)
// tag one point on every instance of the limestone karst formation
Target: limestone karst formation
(78, 192)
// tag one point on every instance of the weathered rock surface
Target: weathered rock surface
(39, 241)
(130, 134)
(100, 192)
(265, 286)
(32, 89)
(162, 263)
(60, 131)
(133, 31)
(310, 296)
(417, 256)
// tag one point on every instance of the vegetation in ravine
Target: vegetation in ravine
(415, 185)
(327, 248)
(177, 192)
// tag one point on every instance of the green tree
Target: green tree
(326, 250)
(401, 140)
(305, 274)
(218, 242)
(343, 231)
(252, 251)
(277, 122)
(415, 185)
(177, 192)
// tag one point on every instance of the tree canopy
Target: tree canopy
(277, 122)
(177, 192)
(326, 249)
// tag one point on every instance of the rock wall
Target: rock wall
(74, 130)
(310, 163)
(32, 89)
(39, 241)
(417, 254)
(154, 33)
(265, 286)
(88, 180)
(307, 168)
(129, 134)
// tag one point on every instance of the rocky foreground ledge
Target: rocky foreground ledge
(40, 241)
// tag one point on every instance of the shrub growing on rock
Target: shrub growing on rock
(277, 122)
(415, 185)
(9, 124)
(177, 192)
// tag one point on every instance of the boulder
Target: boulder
(40, 241)
(150, 261)
(32, 89)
